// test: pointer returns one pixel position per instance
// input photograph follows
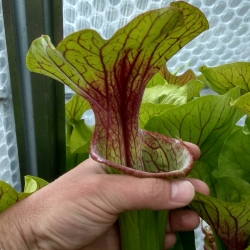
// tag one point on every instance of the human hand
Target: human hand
(79, 210)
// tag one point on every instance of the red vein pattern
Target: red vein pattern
(112, 75)
(230, 221)
(225, 77)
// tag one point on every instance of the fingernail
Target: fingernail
(182, 192)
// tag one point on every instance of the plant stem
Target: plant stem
(219, 244)
(143, 229)
(188, 240)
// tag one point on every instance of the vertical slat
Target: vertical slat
(9, 23)
(25, 82)
(38, 100)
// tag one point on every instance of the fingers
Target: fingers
(194, 149)
(199, 186)
(170, 240)
(128, 192)
(179, 220)
(182, 220)
(124, 193)
(157, 194)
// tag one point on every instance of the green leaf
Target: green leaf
(75, 107)
(236, 127)
(168, 94)
(225, 77)
(243, 103)
(9, 196)
(235, 156)
(205, 121)
(156, 80)
(148, 110)
(173, 94)
(112, 75)
(232, 189)
(226, 188)
(81, 137)
(180, 80)
(232, 186)
(202, 170)
(33, 184)
(193, 89)
(230, 221)
(219, 244)
(246, 127)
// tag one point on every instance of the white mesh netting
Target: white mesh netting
(9, 166)
(227, 40)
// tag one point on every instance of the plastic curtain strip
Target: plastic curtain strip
(9, 165)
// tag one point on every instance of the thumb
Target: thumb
(131, 193)
(119, 193)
